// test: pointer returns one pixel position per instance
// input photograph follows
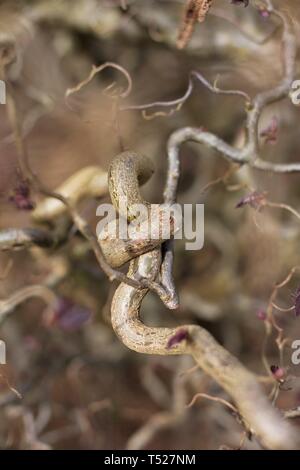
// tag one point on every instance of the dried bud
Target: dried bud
(255, 200)
(270, 134)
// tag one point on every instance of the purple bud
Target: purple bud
(69, 316)
(261, 315)
(278, 372)
(270, 133)
(21, 197)
(255, 200)
(264, 12)
(177, 338)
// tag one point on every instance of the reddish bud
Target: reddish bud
(69, 316)
(270, 133)
(278, 372)
(261, 315)
(21, 197)
(177, 338)
(264, 12)
(255, 200)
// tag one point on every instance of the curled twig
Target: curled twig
(177, 103)
(95, 70)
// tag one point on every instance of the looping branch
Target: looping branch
(265, 422)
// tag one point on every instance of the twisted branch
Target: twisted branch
(264, 421)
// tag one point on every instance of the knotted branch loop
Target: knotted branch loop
(151, 224)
